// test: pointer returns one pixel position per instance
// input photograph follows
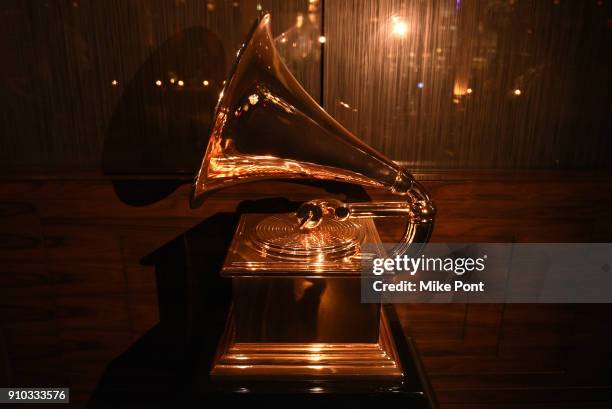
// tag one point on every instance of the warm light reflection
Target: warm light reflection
(253, 99)
(180, 83)
(420, 85)
(469, 90)
(399, 27)
(205, 83)
(114, 83)
(517, 92)
(299, 289)
(322, 39)
(172, 80)
(316, 348)
(158, 83)
(462, 79)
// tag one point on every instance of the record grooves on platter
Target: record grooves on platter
(280, 237)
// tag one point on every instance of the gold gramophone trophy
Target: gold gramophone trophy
(296, 314)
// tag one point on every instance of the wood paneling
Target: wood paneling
(75, 294)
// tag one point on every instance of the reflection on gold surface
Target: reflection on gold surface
(275, 245)
(267, 127)
(280, 237)
(296, 308)
(376, 361)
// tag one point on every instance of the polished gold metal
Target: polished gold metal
(303, 320)
(376, 361)
(297, 320)
(296, 305)
(266, 126)
(275, 245)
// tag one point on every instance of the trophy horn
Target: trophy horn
(266, 126)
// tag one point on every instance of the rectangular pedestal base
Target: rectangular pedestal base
(317, 389)
(376, 361)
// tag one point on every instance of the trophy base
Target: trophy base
(410, 390)
(297, 332)
(307, 360)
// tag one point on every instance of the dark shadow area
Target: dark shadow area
(146, 191)
(162, 121)
(157, 370)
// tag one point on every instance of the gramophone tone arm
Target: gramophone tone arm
(417, 212)
(310, 214)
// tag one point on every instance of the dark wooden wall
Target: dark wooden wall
(75, 295)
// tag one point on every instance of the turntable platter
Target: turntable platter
(280, 237)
